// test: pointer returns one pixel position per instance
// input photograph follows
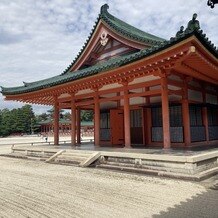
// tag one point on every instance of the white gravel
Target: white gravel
(37, 189)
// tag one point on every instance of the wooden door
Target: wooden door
(117, 127)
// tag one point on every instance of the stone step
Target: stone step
(24, 156)
(78, 159)
(67, 162)
(67, 155)
(15, 155)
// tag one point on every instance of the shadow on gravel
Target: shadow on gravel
(202, 205)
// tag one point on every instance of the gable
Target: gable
(114, 28)
(106, 47)
(103, 45)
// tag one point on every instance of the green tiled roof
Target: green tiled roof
(121, 28)
(112, 63)
(126, 29)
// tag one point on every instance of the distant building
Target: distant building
(47, 127)
(144, 90)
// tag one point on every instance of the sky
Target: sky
(40, 38)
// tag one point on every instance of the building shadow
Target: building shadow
(203, 205)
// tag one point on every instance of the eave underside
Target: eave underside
(189, 59)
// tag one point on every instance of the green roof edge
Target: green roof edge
(107, 18)
(112, 63)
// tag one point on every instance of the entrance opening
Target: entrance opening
(112, 127)
(136, 127)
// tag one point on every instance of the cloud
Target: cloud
(39, 39)
(8, 38)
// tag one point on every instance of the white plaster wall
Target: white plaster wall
(109, 95)
(138, 100)
(111, 86)
(173, 87)
(156, 99)
(144, 79)
(108, 105)
(195, 95)
(138, 90)
(155, 87)
(85, 91)
(175, 77)
(65, 95)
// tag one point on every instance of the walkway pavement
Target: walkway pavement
(173, 151)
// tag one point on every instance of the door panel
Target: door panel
(117, 127)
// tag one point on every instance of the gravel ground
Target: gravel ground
(37, 189)
(28, 139)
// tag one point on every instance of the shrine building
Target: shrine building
(144, 90)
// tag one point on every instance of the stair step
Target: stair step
(67, 162)
(14, 155)
(72, 155)
(79, 159)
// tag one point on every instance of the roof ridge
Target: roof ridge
(106, 15)
(193, 28)
(107, 18)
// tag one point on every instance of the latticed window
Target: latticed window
(156, 114)
(105, 120)
(175, 116)
(195, 114)
(212, 114)
(136, 118)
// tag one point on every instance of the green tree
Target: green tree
(86, 115)
(6, 122)
(16, 120)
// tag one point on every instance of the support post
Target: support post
(97, 118)
(118, 101)
(73, 120)
(127, 132)
(56, 122)
(185, 115)
(148, 124)
(165, 113)
(204, 114)
(78, 126)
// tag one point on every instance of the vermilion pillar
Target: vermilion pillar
(73, 121)
(148, 125)
(78, 126)
(126, 118)
(165, 113)
(56, 122)
(185, 115)
(97, 118)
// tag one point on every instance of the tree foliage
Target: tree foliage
(18, 121)
(86, 115)
(24, 121)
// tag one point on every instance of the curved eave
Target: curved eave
(104, 17)
(110, 65)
